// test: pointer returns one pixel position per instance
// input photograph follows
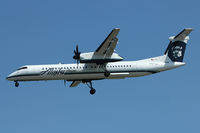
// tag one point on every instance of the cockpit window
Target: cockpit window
(22, 68)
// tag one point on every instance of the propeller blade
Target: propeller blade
(77, 54)
(64, 82)
(77, 48)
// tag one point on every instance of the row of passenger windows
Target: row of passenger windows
(85, 67)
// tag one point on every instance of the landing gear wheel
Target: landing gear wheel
(16, 84)
(107, 74)
(92, 91)
(89, 84)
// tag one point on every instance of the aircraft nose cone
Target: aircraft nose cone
(10, 76)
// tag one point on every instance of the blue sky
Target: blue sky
(46, 32)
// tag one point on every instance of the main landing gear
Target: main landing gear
(16, 84)
(92, 90)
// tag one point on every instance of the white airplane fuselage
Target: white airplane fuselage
(91, 71)
(104, 63)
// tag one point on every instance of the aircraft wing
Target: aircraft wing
(108, 45)
(75, 83)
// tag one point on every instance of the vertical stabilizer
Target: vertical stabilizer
(177, 45)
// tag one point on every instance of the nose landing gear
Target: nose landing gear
(16, 84)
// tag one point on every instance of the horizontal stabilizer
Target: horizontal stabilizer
(182, 36)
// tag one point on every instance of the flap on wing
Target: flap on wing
(109, 44)
(75, 83)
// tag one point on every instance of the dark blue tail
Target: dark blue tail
(176, 48)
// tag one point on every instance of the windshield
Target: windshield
(22, 68)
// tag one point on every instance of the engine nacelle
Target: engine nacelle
(93, 57)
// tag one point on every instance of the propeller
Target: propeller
(77, 55)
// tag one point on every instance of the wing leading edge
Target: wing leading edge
(108, 45)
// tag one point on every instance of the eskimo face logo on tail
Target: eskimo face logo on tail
(177, 51)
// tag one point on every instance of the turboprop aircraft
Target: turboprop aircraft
(105, 63)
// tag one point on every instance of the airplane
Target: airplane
(105, 63)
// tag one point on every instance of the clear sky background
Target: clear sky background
(46, 32)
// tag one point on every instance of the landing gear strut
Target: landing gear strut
(16, 84)
(92, 90)
(106, 73)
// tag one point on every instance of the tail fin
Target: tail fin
(176, 48)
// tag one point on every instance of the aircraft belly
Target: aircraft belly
(94, 76)
(30, 78)
(138, 74)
